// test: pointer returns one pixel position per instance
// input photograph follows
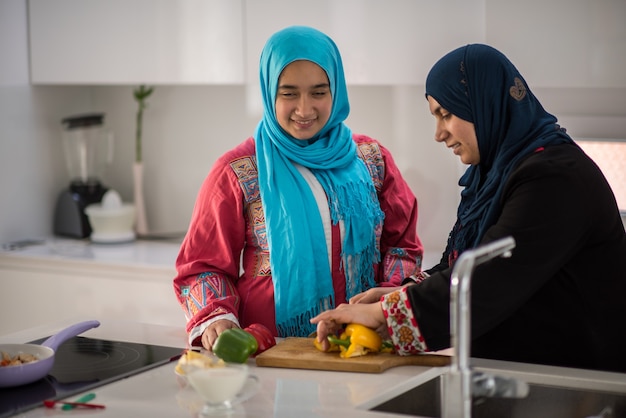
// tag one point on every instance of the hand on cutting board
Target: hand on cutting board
(211, 333)
(367, 314)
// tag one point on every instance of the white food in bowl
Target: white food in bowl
(218, 385)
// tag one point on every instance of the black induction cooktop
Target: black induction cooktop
(81, 364)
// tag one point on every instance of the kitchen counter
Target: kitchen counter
(128, 288)
(60, 278)
(283, 392)
(158, 255)
(153, 255)
(63, 277)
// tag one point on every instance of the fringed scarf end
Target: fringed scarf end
(300, 325)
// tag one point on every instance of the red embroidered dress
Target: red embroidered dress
(223, 268)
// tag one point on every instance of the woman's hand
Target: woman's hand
(367, 314)
(212, 331)
(372, 295)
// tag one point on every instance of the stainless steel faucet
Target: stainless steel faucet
(460, 383)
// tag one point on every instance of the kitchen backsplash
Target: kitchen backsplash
(187, 127)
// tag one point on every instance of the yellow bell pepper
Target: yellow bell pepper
(357, 340)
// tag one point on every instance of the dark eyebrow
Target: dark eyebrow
(290, 87)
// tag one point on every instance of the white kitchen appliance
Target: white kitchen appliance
(111, 220)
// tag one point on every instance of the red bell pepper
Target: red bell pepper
(263, 336)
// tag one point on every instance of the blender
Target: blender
(88, 149)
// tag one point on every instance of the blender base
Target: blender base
(70, 219)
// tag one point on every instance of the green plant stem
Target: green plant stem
(138, 157)
(141, 94)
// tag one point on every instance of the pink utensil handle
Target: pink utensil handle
(51, 404)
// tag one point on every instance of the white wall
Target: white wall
(31, 164)
(187, 127)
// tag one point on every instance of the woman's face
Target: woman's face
(459, 135)
(303, 99)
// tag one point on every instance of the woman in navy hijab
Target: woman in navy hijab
(559, 299)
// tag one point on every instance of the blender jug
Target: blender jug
(88, 149)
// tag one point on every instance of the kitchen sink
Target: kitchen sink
(506, 389)
(511, 390)
(548, 396)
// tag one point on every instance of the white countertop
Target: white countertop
(284, 393)
(72, 277)
(139, 253)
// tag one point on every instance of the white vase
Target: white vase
(141, 221)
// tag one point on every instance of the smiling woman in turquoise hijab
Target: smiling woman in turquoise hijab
(320, 213)
(294, 226)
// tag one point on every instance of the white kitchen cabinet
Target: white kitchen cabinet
(136, 41)
(64, 279)
(562, 43)
(392, 42)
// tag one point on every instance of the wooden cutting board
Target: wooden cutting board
(300, 353)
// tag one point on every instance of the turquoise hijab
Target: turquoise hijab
(301, 272)
(477, 83)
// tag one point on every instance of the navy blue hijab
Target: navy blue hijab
(480, 85)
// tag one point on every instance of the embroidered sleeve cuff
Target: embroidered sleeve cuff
(401, 324)
(416, 278)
